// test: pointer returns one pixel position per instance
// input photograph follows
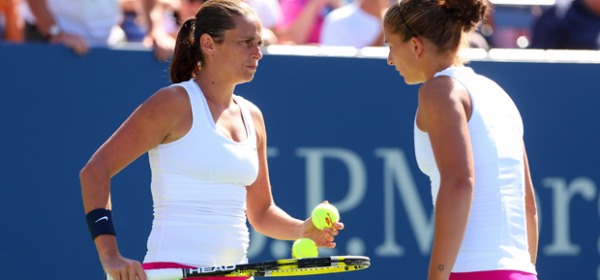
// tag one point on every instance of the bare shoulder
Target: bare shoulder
(441, 90)
(168, 111)
(441, 99)
(167, 105)
(167, 102)
(437, 87)
(170, 96)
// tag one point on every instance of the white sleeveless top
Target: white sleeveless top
(199, 191)
(496, 237)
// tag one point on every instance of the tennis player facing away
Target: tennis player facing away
(468, 137)
(207, 152)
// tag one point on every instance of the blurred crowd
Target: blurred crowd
(80, 25)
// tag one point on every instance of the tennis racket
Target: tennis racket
(277, 268)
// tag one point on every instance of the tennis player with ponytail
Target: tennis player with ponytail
(207, 152)
(468, 137)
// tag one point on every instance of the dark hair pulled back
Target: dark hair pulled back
(213, 18)
(443, 22)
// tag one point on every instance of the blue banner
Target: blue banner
(339, 128)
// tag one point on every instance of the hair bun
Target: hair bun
(468, 12)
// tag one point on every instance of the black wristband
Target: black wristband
(100, 222)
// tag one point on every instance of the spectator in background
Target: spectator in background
(302, 19)
(174, 12)
(150, 22)
(177, 11)
(357, 24)
(270, 14)
(132, 24)
(187, 9)
(171, 13)
(12, 29)
(80, 25)
(76, 25)
(571, 25)
(476, 40)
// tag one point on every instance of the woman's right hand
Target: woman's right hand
(118, 267)
(73, 42)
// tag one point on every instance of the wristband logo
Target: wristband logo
(103, 218)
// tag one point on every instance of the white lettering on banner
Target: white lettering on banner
(315, 176)
(399, 185)
(561, 200)
(396, 172)
(272, 152)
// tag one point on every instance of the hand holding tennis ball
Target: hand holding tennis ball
(304, 248)
(325, 215)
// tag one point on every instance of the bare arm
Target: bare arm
(266, 217)
(531, 212)
(42, 15)
(443, 114)
(157, 120)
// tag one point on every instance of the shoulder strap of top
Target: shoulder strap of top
(197, 101)
(244, 107)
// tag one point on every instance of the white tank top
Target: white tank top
(199, 191)
(496, 237)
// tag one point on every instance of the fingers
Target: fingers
(134, 271)
(140, 273)
(137, 274)
(328, 235)
(128, 270)
(335, 230)
(329, 241)
(73, 42)
(81, 48)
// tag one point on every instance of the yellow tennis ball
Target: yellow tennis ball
(325, 215)
(304, 248)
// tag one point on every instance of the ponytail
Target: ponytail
(187, 57)
(443, 22)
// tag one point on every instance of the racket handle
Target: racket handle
(165, 274)
(160, 274)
